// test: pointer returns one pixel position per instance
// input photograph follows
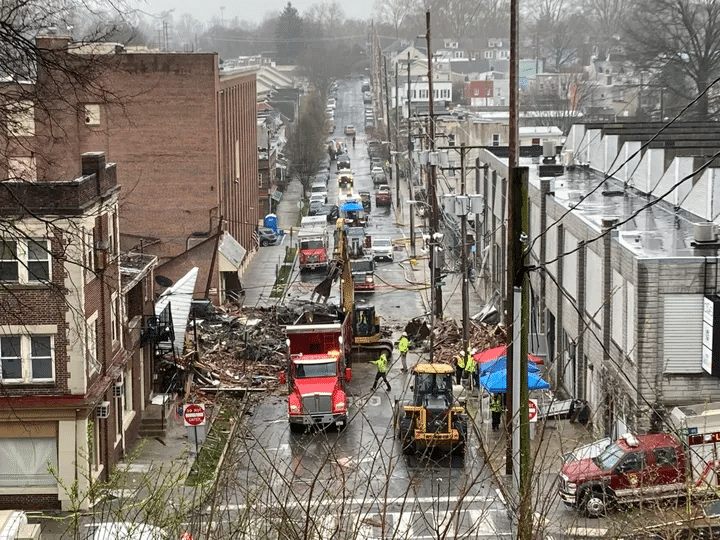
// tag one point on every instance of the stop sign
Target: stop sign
(194, 414)
(533, 410)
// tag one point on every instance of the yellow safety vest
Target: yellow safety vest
(381, 363)
(403, 345)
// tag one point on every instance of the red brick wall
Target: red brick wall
(164, 137)
(239, 196)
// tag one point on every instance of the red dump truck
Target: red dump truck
(313, 243)
(644, 468)
(317, 373)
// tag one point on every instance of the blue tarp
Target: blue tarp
(351, 207)
(496, 382)
(501, 363)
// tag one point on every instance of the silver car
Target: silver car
(382, 248)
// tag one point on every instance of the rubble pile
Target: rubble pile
(449, 342)
(245, 350)
(237, 350)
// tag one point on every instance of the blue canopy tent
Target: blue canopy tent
(496, 382)
(351, 207)
(501, 363)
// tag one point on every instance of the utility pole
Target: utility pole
(432, 195)
(517, 308)
(398, 206)
(410, 171)
(463, 260)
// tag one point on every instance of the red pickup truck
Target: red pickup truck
(383, 196)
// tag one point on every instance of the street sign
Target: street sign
(533, 410)
(194, 414)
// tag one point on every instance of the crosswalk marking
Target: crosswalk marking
(406, 525)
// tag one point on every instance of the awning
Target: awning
(179, 296)
(231, 253)
(497, 352)
(496, 382)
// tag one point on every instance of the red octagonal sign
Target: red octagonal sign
(533, 410)
(194, 414)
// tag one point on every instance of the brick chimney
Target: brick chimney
(94, 163)
(52, 39)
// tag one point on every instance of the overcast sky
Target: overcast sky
(248, 10)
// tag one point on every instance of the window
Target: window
(237, 159)
(93, 366)
(489, 55)
(633, 461)
(111, 233)
(92, 114)
(21, 119)
(496, 139)
(115, 317)
(22, 168)
(665, 457)
(24, 461)
(26, 359)
(24, 261)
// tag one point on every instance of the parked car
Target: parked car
(315, 207)
(350, 129)
(383, 196)
(378, 176)
(267, 236)
(367, 97)
(319, 188)
(331, 211)
(382, 248)
(321, 197)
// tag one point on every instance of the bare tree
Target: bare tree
(679, 38)
(393, 13)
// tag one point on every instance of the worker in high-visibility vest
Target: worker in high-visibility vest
(470, 365)
(496, 410)
(403, 348)
(381, 364)
(459, 367)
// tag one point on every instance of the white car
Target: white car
(319, 188)
(382, 248)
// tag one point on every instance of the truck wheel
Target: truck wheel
(461, 426)
(594, 503)
(405, 435)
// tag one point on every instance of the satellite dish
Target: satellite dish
(163, 281)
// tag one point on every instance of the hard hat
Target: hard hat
(404, 334)
(473, 351)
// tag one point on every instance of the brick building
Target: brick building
(74, 378)
(184, 133)
(627, 252)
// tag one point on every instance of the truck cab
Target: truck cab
(633, 469)
(363, 273)
(316, 375)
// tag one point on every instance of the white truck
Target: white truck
(313, 243)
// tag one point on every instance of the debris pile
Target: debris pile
(449, 338)
(244, 351)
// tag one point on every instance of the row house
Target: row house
(74, 376)
(626, 255)
(186, 178)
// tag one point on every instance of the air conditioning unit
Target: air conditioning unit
(102, 411)
(118, 389)
(705, 232)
